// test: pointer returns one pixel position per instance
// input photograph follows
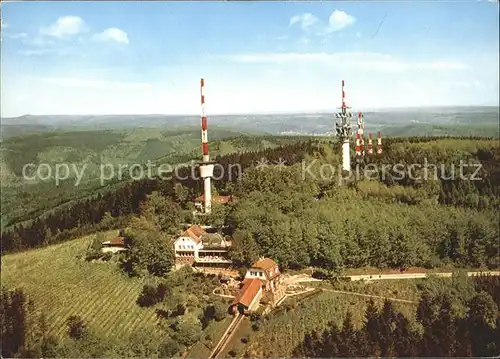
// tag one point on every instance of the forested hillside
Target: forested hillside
(85, 152)
(300, 214)
(440, 330)
(393, 221)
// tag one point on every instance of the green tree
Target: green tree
(149, 249)
(386, 324)
(481, 321)
(348, 337)
(76, 327)
(372, 327)
(443, 330)
(169, 349)
(94, 248)
(187, 330)
(166, 214)
(244, 251)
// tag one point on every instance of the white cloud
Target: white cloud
(38, 52)
(358, 34)
(112, 34)
(305, 20)
(366, 61)
(304, 41)
(3, 24)
(41, 52)
(95, 84)
(41, 42)
(20, 35)
(65, 26)
(339, 20)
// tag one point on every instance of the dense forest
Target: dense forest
(391, 221)
(440, 329)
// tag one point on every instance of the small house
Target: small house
(199, 202)
(114, 245)
(266, 273)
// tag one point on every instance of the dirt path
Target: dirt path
(371, 296)
(226, 337)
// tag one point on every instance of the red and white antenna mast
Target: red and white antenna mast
(358, 145)
(361, 127)
(206, 167)
(370, 144)
(204, 128)
(343, 128)
(379, 143)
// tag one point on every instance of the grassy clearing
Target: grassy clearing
(62, 284)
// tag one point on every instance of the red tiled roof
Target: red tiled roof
(216, 199)
(194, 232)
(197, 230)
(189, 233)
(264, 264)
(269, 266)
(247, 294)
(117, 241)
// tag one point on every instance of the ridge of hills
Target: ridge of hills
(392, 120)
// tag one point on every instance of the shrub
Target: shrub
(76, 327)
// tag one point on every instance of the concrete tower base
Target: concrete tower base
(346, 156)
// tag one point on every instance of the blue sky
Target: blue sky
(148, 57)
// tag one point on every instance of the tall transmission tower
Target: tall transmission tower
(206, 166)
(343, 129)
(361, 127)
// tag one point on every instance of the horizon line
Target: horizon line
(325, 111)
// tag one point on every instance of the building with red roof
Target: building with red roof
(114, 245)
(196, 246)
(200, 201)
(266, 273)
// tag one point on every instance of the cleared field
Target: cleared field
(61, 283)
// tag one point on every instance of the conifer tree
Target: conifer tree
(347, 337)
(386, 325)
(443, 330)
(372, 327)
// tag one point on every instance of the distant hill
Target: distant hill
(375, 120)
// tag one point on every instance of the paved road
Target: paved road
(370, 277)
